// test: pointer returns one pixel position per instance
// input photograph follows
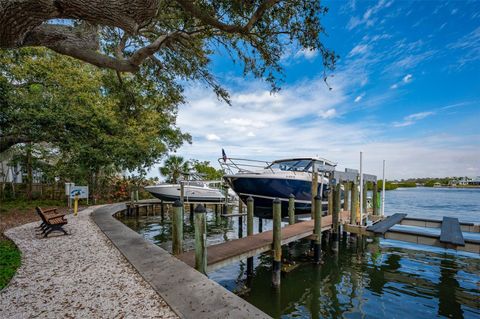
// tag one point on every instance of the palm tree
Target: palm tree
(173, 167)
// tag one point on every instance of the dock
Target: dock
(229, 252)
(348, 217)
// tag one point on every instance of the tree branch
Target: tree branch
(207, 18)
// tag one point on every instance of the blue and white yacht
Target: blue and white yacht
(265, 181)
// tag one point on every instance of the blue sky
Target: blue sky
(406, 89)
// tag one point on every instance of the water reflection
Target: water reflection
(374, 278)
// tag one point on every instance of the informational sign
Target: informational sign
(80, 191)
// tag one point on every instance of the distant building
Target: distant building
(474, 181)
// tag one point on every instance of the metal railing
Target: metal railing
(242, 165)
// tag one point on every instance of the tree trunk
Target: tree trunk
(29, 171)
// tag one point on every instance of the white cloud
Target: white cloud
(368, 18)
(413, 118)
(251, 134)
(243, 123)
(407, 78)
(358, 50)
(359, 98)
(212, 137)
(328, 114)
(308, 54)
(468, 48)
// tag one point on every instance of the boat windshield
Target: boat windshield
(292, 165)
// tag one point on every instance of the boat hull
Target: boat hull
(264, 189)
(192, 193)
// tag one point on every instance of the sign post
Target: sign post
(76, 193)
(68, 186)
(75, 205)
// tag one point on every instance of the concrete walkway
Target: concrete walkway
(189, 293)
(77, 276)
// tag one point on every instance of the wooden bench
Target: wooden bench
(51, 221)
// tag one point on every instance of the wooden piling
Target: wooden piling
(177, 228)
(330, 199)
(346, 196)
(291, 209)
(354, 204)
(240, 218)
(317, 230)
(249, 231)
(162, 210)
(365, 206)
(375, 199)
(200, 239)
(336, 211)
(314, 190)
(260, 225)
(277, 242)
(182, 192)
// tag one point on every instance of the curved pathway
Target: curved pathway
(82, 275)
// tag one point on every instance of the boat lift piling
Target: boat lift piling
(277, 242)
(177, 228)
(291, 209)
(249, 232)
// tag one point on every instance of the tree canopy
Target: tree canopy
(87, 119)
(170, 40)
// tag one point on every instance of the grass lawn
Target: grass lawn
(15, 213)
(10, 259)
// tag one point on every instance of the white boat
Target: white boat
(194, 191)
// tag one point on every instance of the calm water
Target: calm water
(374, 278)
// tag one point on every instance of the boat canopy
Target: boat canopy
(303, 164)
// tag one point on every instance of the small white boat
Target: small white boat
(194, 191)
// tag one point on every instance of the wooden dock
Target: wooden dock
(225, 253)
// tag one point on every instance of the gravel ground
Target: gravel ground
(81, 275)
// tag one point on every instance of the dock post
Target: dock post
(330, 199)
(240, 218)
(177, 228)
(365, 205)
(354, 204)
(182, 192)
(277, 242)
(200, 239)
(317, 248)
(162, 210)
(336, 211)
(346, 195)
(249, 231)
(260, 225)
(375, 198)
(291, 209)
(314, 190)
